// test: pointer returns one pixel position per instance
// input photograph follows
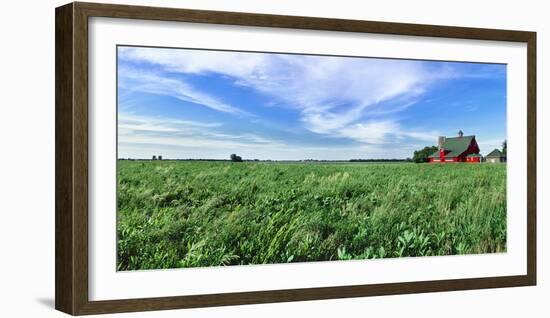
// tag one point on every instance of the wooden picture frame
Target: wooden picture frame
(71, 154)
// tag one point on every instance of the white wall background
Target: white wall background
(27, 158)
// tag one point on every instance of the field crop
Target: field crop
(189, 214)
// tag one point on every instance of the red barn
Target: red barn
(456, 149)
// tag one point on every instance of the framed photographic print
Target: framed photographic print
(211, 158)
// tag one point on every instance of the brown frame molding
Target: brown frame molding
(71, 157)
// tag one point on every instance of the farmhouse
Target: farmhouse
(456, 149)
(495, 156)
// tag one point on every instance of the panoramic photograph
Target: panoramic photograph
(231, 158)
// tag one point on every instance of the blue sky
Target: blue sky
(184, 103)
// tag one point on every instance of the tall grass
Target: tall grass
(189, 214)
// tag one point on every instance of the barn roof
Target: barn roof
(454, 146)
(495, 154)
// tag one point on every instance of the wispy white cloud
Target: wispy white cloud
(448, 70)
(139, 131)
(136, 125)
(148, 82)
(150, 121)
(383, 132)
(374, 132)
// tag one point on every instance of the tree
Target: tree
(154, 157)
(422, 155)
(504, 146)
(160, 157)
(235, 158)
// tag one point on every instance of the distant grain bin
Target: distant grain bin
(440, 142)
(495, 156)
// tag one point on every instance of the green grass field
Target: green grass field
(190, 214)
